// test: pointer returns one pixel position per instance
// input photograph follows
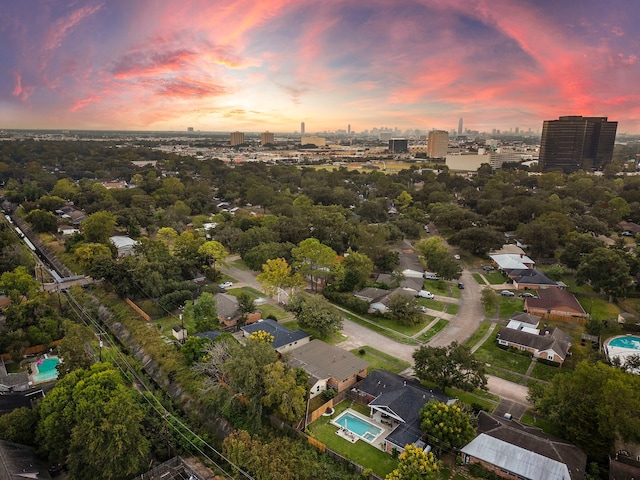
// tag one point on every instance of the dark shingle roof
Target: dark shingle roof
(321, 360)
(554, 298)
(281, 335)
(554, 339)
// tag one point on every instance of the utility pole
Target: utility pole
(99, 335)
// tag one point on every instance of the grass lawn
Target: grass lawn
(438, 287)
(545, 372)
(389, 323)
(382, 331)
(452, 308)
(495, 278)
(490, 353)
(240, 265)
(478, 334)
(433, 304)
(360, 452)
(531, 418)
(429, 334)
(455, 291)
(488, 401)
(599, 308)
(380, 360)
(268, 309)
(498, 372)
(509, 305)
(478, 278)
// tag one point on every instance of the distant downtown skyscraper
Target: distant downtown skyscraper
(577, 143)
(460, 126)
(437, 144)
(301, 128)
(237, 138)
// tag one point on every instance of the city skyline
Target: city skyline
(256, 65)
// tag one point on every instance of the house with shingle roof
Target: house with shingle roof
(555, 304)
(548, 344)
(396, 401)
(329, 367)
(228, 310)
(284, 339)
(530, 278)
(512, 450)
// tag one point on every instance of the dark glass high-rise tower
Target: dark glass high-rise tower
(577, 143)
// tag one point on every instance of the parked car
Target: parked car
(426, 294)
(527, 295)
(507, 293)
(461, 285)
(456, 256)
(487, 268)
(431, 276)
(226, 285)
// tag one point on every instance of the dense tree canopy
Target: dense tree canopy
(452, 366)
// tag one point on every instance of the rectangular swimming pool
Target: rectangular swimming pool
(358, 425)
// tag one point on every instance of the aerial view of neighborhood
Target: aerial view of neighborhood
(213, 266)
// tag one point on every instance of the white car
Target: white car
(507, 293)
(226, 285)
(426, 294)
(456, 256)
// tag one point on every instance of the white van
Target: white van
(431, 276)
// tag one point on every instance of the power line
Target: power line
(130, 373)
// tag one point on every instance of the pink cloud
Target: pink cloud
(60, 29)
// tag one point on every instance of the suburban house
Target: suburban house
(72, 214)
(512, 261)
(20, 461)
(284, 339)
(12, 382)
(629, 229)
(530, 279)
(124, 245)
(329, 367)
(229, 312)
(515, 451)
(378, 298)
(548, 344)
(27, 398)
(555, 304)
(396, 401)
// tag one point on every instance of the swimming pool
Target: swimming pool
(623, 347)
(358, 425)
(46, 369)
(626, 342)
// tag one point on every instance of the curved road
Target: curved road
(460, 328)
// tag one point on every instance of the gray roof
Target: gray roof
(516, 459)
(321, 361)
(525, 317)
(10, 380)
(281, 335)
(554, 339)
(211, 334)
(226, 305)
(525, 450)
(19, 461)
(530, 276)
(404, 397)
(371, 294)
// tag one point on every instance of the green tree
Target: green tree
(98, 227)
(213, 252)
(316, 261)
(18, 284)
(478, 240)
(605, 270)
(18, 426)
(92, 421)
(576, 246)
(316, 315)
(282, 392)
(202, 312)
(415, 464)
(246, 305)
(357, 268)
(74, 348)
(277, 277)
(42, 221)
(65, 188)
(403, 200)
(593, 406)
(193, 349)
(89, 253)
(447, 425)
(451, 366)
(404, 309)
(438, 258)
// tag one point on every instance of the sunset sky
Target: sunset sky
(219, 65)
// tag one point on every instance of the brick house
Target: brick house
(555, 304)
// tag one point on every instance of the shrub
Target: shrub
(347, 300)
(361, 351)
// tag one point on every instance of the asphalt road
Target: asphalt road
(460, 328)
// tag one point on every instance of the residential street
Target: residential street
(460, 328)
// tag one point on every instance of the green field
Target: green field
(489, 353)
(380, 360)
(433, 331)
(478, 334)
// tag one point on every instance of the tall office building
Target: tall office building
(577, 143)
(437, 144)
(460, 126)
(267, 138)
(301, 128)
(398, 145)
(237, 138)
(349, 129)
